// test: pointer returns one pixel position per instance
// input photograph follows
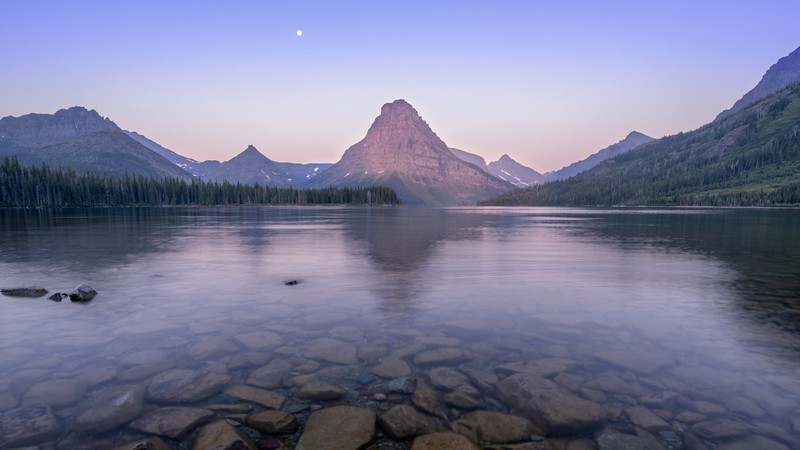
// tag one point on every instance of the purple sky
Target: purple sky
(548, 82)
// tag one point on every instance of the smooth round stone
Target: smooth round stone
(186, 386)
(331, 350)
(391, 368)
(55, 393)
(273, 422)
(442, 355)
(443, 441)
(339, 427)
(222, 436)
(321, 390)
(171, 422)
(404, 421)
(113, 408)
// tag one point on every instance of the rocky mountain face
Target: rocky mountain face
(251, 167)
(81, 140)
(783, 73)
(402, 152)
(631, 141)
(472, 158)
(196, 168)
(515, 173)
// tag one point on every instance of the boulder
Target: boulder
(55, 393)
(499, 428)
(111, 409)
(754, 442)
(149, 443)
(27, 426)
(30, 292)
(267, 399)
(551, 408)
(185, 386)
(82, 293)
(321, 390)
(273, 422)
(171, 422)
(262, 340)
(391, 368)
(221, 436)
(403, 385)
(621, 441)
(443, 441)
(428, 400)
(339, 427)
(331, 350)
(644, 418)
(443, 355)
(403, 422)
(270, 376)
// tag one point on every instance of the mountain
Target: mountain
(196, 168)
(81, 140)
(515, 173)
(631, 141)
(303, 174)
(472, 158)
(251, 167)
(402, 152)
(782, 74)
(750, 157)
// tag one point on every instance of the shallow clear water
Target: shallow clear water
(714, 295)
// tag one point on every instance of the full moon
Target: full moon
(299, 32)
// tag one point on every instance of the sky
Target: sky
(546, 82)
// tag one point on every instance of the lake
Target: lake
(677, 328)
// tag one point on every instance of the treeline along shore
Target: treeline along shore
(42, 186)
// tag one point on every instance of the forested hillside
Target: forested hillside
(41, 186)
(750, 158)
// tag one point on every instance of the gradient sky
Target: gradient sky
(548, 82)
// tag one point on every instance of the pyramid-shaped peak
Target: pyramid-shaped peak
(505, 157)
(250, 149)
(636, 134)
(399, 106)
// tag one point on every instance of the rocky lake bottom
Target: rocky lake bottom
(171, 356)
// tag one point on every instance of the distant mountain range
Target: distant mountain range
(633, 140)
(402, 152)
(749, 155)
(81, 140)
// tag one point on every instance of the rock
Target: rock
(754, 442)
(31, 292)
(208, 347)
(339, 427)
(171, 422)
(116, 406)
(437, 341)
(331, 350)
(263, 340)
(452, 380)
(568, 381)
(547, 367)
(428, 400)
(273, 422)
(348, 333)
(621, 441)
(660, 399)
(443, 441)
(548, 406)
(498, 428)
(185, 386)
(581, 444)
(58, 296)
(147, 370)
(391, 368)
(82, 293)
(221, 436)
(142, 357)
(745, 406)
(444, 355)
(292, 282)
(720, 430)
(403, 422)
(593, 396)
(635, 361)
(461, 400)
(98, 375)
(262, 397)
(484, 380)
(403, 385)
(467, 328)
(150, 443)
(334, 375)
(27, 426)
(308, 366)
(321, 390)
(55, 393)
(645, 418)
(550, 445)
(8, 401)
(270, 376)
(372, 352)
(614, 385)
(465, 428)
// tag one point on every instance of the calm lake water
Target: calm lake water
(692, 315)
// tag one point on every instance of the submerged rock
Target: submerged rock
(27, 426)
(55, 393)
(113, 408)
(340, 427)
(499, 428)
(31, 292)
(270, 376)
(185, 386)
(149, 443)
(391, 368)
(321, 390)
(443, 441)
(58, 296)
(428, 400)
(621, 441)
(172, 422)
(548, 406)
(273, 422)
(267, 399)
(331, 350)
(221, 436)
(403, 422)
(82, 293)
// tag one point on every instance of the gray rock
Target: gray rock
(273, 422)
(31, 292)
(462, 400)
(262, 340)
(635, 361)
(548, 406)
(403, 422)
(111, 409)
(270, 376)
(171, 422)
(221, 436)
(82, 293)
(614, 385)
(27, 426)
(149, 443)
(646, 419)
(262, 397)
(498, 428)
(443, 441)
(321, 390)
(720, 430)
(621, 441)
(339, 427)
(452, 380)
(185, 386)
(444, 355)
(428, 400)
(55, 393)
(403, 385)
(331, 350)
(754, 442)
(391, 368)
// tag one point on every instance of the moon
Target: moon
(299, 33)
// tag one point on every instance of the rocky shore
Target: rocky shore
(325, 385)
